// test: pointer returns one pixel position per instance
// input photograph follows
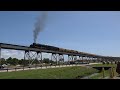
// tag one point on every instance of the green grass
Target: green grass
(100, 75)
(51, 73)
(106, 65)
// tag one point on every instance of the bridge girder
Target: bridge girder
(29, 55)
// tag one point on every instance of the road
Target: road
(84, 65)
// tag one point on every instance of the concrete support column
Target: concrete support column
(39, 58)
(61, 59)
(54, 58)
(70, 58)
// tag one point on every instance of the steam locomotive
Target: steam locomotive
(47, 47)
(42, 46)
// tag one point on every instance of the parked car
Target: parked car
(1, 67)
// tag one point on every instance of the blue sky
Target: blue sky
(87, 31)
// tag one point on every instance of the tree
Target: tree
(3, 61)
(20, 62)
(15, 61)
(9, 60)
(12, 61)
(53, 62)
(46, 60)
(36, 62)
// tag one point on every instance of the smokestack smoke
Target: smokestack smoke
(39, 25)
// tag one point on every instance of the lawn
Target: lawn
(50, 73)
(106, 65)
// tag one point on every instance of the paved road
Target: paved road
(84, 65)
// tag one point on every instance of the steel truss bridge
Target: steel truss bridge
(56, 55)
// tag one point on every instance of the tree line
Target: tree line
(15, 61)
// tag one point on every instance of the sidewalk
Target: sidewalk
(116, 77)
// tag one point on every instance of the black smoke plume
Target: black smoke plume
(39, 25)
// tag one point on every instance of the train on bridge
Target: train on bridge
(53, 48)
(39, 48)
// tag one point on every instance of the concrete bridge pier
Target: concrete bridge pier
(82, 59)
(74, 59)
(61, 59)
(70, 58)
(54, 58)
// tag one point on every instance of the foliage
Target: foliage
(15, 61)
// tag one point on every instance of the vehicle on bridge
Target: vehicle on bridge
(47, 47)
(42, 46)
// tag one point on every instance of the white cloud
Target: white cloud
(5, 53)
(12, 53)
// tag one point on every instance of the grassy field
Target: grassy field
(51, 73)
(59, 73)
(106, 65)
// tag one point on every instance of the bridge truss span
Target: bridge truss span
(35, 55)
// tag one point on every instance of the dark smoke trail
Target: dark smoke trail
(39, 25)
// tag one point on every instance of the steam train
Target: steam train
(47, 47)
(42, 46)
